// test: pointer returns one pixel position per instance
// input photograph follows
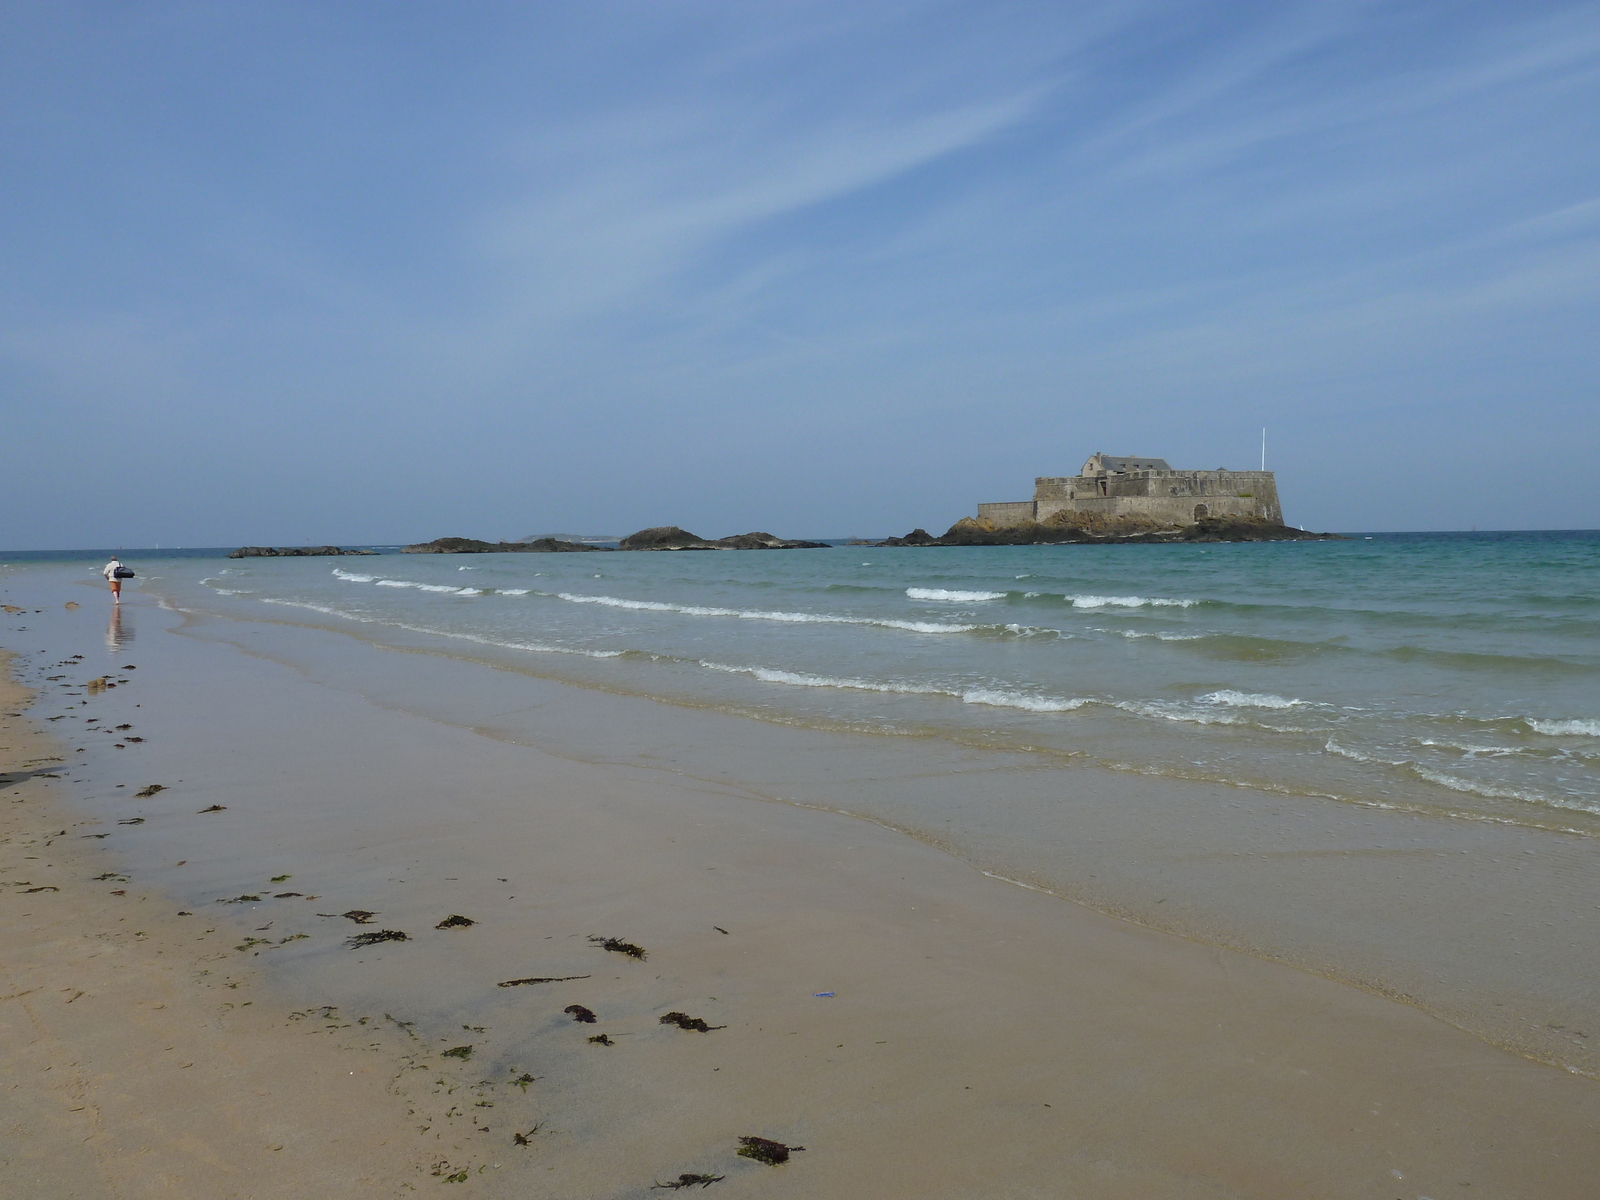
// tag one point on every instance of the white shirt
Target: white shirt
(110, 569)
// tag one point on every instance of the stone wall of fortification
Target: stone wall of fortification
(1169, 497)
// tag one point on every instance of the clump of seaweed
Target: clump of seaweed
(461, 1052)
(146, 792)
(523, 1080)
(601, 1039)
(526, 1139)
(372, 939)
(360, 916)
(765, 1150)
(245, 899)
(540, 979)
(685, 1021)
(580, 1014)
(690, 1180)
(213, 808)
(131, 821)
(618, 946)
(455, 921)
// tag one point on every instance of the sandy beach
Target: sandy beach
(186, 1017)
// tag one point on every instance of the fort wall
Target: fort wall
(1168, 497)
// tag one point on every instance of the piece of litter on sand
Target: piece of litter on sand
(822, 994)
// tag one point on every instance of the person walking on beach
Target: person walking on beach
(111, 572)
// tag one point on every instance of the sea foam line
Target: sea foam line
(698, 610)
(989, 696)
(534, 647)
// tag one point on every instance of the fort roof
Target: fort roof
(1105, 464)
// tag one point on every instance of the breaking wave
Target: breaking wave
(1233, 699)
(917, 593)
(1565, 728)
(1085, 601)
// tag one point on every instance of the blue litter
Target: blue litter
(822, 993)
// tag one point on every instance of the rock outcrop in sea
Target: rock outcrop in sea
(461, 545)
(292, 552)
(1093, 528)
(670, 537)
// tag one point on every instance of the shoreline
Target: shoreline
(993, 1039)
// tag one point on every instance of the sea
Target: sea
(1383, 695)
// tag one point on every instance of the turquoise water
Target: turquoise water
(1456, 675)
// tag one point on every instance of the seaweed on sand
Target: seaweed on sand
(618, 946)
(461, 1052)
(601, 1039)
(580, 1014)
(360, 916)
(765, 1150)
(146, 792)
(685, 1021)
(455, 921)
(540, 979)
(690, 1180)
(372, 939)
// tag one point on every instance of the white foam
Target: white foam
(917, 593)
(340, 573)
(1578, 728)
(469, 591)
(535, 647)
(699, 610)
(1128, 602)
(1333, 747)
(1235, 699)
(1457, 784)
(987, 696)
(513, 591)
(1000, 699)
(1165, 637)
(421, 587)
(803, 679)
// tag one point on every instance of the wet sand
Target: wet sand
(980, 1039)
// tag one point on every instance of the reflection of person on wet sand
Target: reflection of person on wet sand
(110, 571)
(118, 636)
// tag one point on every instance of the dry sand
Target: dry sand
(981, 1040)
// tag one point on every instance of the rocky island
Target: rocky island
(292, 552)
(461, 545)
(670, 537)
(1074, 529)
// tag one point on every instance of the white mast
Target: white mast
(1263, 447)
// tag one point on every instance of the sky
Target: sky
(375, 272)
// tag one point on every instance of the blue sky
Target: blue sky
(371, 272)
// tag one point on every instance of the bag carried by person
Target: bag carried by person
(123, 573)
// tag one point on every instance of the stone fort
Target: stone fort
(1145, 488)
